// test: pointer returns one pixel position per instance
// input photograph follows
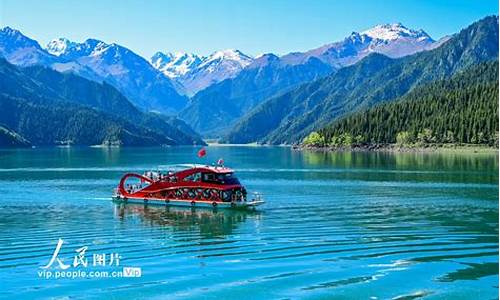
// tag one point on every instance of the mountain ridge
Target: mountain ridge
(195, 72)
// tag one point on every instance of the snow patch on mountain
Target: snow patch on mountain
(393, 40)
(59, 46)
(175, 65)
(390, 32)
(228, 61)
(195, 72)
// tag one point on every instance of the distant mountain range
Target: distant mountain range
(158, 84)
(229, 95)
(216, 109)
(131, 74)
(289, 117)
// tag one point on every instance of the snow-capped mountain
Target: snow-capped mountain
(390, 32)
(121, 67)
(69, 50)
(196, 72)
(393, 40)
(225, 63)
(177, 64)
(59, 46)
(96, 60)
(20, 50)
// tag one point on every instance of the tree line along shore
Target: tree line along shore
(459, 113)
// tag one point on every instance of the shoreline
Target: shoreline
(431, 148)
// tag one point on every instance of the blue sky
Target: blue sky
(254, 27)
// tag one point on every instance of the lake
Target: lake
(335, 226)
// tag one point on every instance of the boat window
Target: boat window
(209, 177)
(225, 178)
(193, 177)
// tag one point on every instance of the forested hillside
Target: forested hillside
(214, 110)
(463, 109)
(46, 107)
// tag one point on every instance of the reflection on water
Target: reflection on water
(209, 223)
(424, 161)
(473, 271)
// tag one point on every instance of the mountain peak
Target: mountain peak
(224, 63)
(59, 46)
(10, 31)
(92, 42)
(165, 57)
(175, 64)
(264, 60)
(231, 54)
(63, 47)
(233, 59)
(12, 39)
(394, 31)
(195, 72)
(14, 34)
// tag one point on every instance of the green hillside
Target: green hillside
(50, 108)
(213, 110)
(463, 109)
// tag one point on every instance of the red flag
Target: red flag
(220, 162)
(202, 152)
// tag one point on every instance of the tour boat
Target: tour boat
(195, 186)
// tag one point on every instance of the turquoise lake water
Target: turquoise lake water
(335, 226)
